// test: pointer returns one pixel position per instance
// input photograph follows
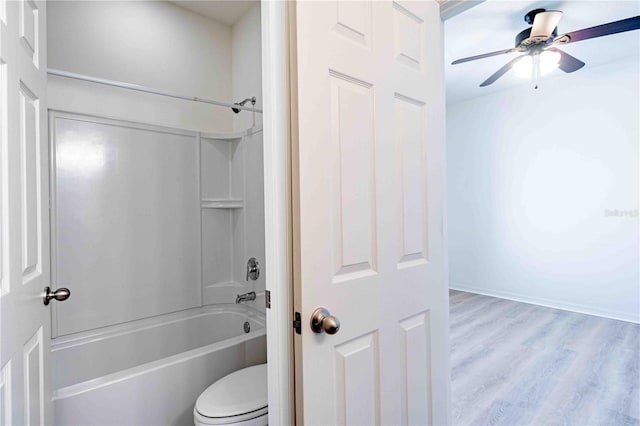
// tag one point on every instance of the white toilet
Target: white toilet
(238, 399)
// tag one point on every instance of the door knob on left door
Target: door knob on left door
(323, 321)
(60, 295)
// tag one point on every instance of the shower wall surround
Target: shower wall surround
(125, 221)
(197, 198)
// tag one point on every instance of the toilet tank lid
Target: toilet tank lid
(238, 393)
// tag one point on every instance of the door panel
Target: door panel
(33, 379)
(24, 216)
(416, 369)
(368, 195)
(353, 198)
(4, 194)
(358, 381)
(29, 25)
(30, 188)
(409, 131)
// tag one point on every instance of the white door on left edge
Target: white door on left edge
(24, 215)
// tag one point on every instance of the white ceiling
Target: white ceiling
(493, 25)
(226, 11)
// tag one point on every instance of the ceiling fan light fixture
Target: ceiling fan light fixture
(549, 61)
(523, 68)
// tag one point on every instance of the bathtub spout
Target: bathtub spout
(246, 297)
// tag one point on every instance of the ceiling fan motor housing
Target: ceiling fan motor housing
(525, 34)
(529, 17)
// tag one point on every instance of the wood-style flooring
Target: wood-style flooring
(520, 364)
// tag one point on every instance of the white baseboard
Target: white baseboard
(549, 303)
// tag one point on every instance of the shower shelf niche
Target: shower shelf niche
(222, 204)
(233, 136)
(223, 213)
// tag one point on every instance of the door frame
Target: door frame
(277, 209)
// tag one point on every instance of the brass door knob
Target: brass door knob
(59, 295)
(323, 321)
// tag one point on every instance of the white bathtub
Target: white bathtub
(151, 372)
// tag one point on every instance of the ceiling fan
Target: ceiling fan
(538, 42)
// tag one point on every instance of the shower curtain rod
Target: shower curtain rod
(145, 89)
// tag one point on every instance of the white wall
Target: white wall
(246, 64)
(532, 176)
(150, 43)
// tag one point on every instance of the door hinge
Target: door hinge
(297, 323)
(267, 299)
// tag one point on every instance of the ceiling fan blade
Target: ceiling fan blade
(567, 62)
(485, 55)
(544, 23)
(502, 71)
(615, 27)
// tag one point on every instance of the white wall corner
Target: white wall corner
(451, 8)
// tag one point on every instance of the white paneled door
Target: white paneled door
(368, 176)
(24, 215)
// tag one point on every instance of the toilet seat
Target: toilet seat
(236, 398)
(257, 418)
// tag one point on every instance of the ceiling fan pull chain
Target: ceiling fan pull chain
(536, 68)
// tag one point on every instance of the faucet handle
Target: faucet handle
(253, 269)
